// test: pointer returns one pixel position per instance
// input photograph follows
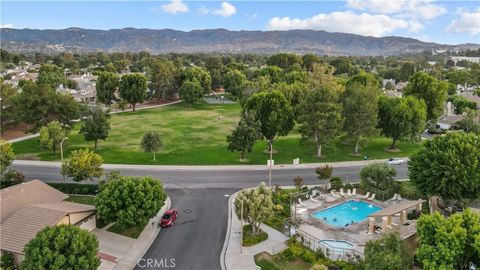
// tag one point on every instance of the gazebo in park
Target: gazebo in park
(387, 214)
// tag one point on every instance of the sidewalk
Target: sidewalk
(235, 257)
(57, 164)
(124, 251)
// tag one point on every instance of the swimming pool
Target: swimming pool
(344, 214)
(337, 244)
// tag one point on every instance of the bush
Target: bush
(298, 182)
(336, 183)
(413, 214)
(278, 207)
(11, 177)
(318, 267)
(250, 239)
(408, 190)
(348, 186)
(309, 256)
(288, 254)
(324, 172)
(73, 188)
(6, 261)
(297, 250)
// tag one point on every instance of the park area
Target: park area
(197, 136)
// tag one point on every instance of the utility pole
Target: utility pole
(241, 225)
(61, 155)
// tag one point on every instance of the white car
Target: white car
(397, 161)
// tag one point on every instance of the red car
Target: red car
(168, 218)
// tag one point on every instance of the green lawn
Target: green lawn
(132, 232)
(90, 200)
(197, 137)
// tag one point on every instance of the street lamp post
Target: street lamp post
(61, 154)
(270, 164)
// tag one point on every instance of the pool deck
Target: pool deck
(356, 234)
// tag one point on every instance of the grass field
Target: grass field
(197, 137)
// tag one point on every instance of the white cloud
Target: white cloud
(174, 7)
(7, 25)
(346, 22)
(226, 10)
(252, 16)
(415, 26)
(467, 22)
(423, 9)
(203, 10)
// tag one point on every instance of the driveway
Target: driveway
(196, 239)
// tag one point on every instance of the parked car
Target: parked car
(168, 218)
(396, 161)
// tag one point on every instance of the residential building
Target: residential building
(465, 58)
(29, 207)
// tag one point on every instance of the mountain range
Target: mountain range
(212, 40)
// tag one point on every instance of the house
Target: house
(29, 207)
(448, 122)
(471, 97)
(465, 58)
(400, 86)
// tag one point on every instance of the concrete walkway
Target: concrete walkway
(236, 257)
(207, 167)
(121, 252)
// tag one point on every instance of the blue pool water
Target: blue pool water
(345, 213)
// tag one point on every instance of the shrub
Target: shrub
(6, 261)
(76, 191)
(348, 186)
(413, 214)
(298, 182)
(278, 207)
(309, 256)
(74, 188)
(336, 183)
(11, 177)
(297, 250)
(318, 267)
(324, 172)
(288, 254)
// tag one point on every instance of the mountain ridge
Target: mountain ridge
(75, 39)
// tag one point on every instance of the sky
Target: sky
(447, 22)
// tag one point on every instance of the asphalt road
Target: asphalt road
(202, 179)
(196, 239)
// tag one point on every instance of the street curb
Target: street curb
(227, 234)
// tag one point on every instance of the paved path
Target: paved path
(241, 258)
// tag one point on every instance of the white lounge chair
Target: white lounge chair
(371, 198)
(394, 198)
(354, 193)
(399, 197)
(300, 202)
(314, 200)
(349, 193)
(366, 195)
(341, 192)
(334, 195)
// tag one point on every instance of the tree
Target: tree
(162, 76)
(51, 75)
(191, 92)
(432, 91)
(129, 201)
(320, 117)
(460, 77)
(324, 172)
(309, 60)
(461, 104)
(471, 121)
(6, 155)
(389, 252)
(7, 110)
(107, 84)
(448, 166)
(7, 261)
(245, 134)
(298, 182)
(133, 88)
(448, 243)
(360, 111)
(83, 164)
(234, 82)
(96, 126)
(257, 206)
(274, 113)
(407, 70)
(151, 142)
(201, 76)
(61, 247)
(378, 175)
(37, 106)
(401, 118)
(284, 60)
(51, 135)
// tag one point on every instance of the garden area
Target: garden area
(197, 136)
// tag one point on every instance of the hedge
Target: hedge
(73, 188)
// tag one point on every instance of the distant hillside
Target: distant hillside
(216, 40)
